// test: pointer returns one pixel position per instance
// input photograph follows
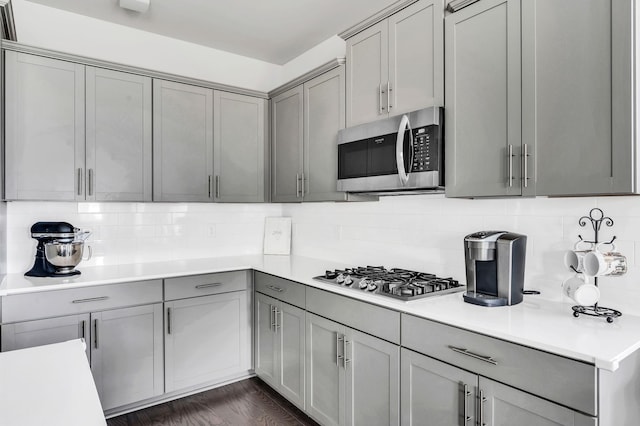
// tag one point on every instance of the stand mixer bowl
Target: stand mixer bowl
(64, 256)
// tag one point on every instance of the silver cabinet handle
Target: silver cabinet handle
(79, 181)
(168, 320)
(510, 166)
(278, 325)
(481, 401)
(90, 183)
(200, 286)
(345, 344)
(380, 107)
(217, 189)
(474, 355)
(83, 329)
(297, 185)
(389, 106)
(209, 186)
(95, 333)
(302, 185)
(525, 165)
(338, 356)
(274, 288)
(272, 325)
(92, 299)
(465, 408)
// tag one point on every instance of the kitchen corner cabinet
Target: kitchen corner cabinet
(305, 125)
(352, 378)
(182, 142)
(75, 133)
(538, 107)
(279, 346)
(207, 329)
(240, 151)
(396, 65)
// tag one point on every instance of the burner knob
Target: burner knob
(348, 280)
(340, 278)
(372, 287)
(364, 283)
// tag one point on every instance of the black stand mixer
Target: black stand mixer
(59, 249)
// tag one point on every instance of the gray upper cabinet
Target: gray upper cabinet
(45, 127)
(182, 142)
(287, 122)
(576, 96)
(324, 102)
(118, 139)
(239, 148)
(396, 65)
(482, 117)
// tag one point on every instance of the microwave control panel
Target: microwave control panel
(425, 149)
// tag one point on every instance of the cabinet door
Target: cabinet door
(126, 354)
(207, 339)
(482, 118)
(372, 380)
(569, 79)
(239, 147)
(325, 372)
(368, 74)
(286, 140)
(290, 326)
(323, 116)
(506, 406)
(435, 393)
(21, 335)
(118, 136)
(266, 344)
(182, 142)
(416, 57)
(44, 128)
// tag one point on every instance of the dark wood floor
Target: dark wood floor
(249, 402)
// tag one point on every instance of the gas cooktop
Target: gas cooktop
(395, 282)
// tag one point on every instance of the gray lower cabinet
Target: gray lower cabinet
(206, 339)
(126, 354)
(396, 65)
(118, 136)
(536, 106)
(182, 142)
(240, 150)
(280, 347)
(352, 378)
(439, 394)
(44, 128)
(304, 124)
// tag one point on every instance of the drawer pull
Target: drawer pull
(338, 356)
(465, 410)
(473, 355)
(208, 285)
(95, 333)
(92, 299)
(274, 288)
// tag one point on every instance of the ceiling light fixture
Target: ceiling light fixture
(135, 5)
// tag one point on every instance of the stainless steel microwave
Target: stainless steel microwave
(393, 155)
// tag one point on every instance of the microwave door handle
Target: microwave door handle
(402, 173)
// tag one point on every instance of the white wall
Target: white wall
(425, 233)
(126, 233)
(55, 29)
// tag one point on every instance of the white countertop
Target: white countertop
(536, 322)
(48, 385)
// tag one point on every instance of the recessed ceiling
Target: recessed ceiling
(274, 31)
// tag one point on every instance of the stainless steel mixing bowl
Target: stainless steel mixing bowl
(64, 256)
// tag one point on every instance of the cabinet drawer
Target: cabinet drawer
(562, 380)
(380, 322)
(45, 304)
(204, 285)
(285, 290)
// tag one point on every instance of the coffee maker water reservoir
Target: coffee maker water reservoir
(495, 267)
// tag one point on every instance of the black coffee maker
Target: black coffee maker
(56, 238)
(495, 268)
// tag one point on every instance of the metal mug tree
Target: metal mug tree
(596, 218)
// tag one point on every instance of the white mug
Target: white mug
(578, 289)
(574, 259)
(610, 263)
